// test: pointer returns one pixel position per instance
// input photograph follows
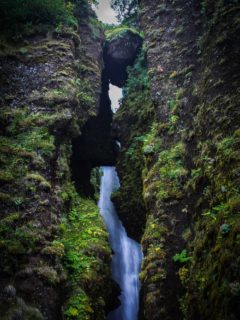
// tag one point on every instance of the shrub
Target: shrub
(125, 8)
(13, 12)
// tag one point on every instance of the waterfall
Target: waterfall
(127, 256)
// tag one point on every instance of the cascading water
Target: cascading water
(127, 256)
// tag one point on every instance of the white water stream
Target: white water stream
(127, 256)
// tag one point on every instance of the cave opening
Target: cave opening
(97, 146)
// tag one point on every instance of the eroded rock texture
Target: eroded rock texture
(179, 163)
(53, 243)
(187, 159)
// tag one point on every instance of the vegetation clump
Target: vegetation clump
(181, 257)
(167, 174)
(86, 255)
(126, 9)
(14, 12)
(116, 32)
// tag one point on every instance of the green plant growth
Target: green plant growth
(79, 307)
(115, 32)
(125, 8)
(152, 144)
(134, 118)
(138, 78)
(22, 145)
(225, 229)
(13, 12)
(17, 239)
(25, 145)
(165, 179)
(84, 238)
(84, 90)
(215, 248)
(181, 257)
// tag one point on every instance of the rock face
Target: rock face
(120, 52)
(50, 87)
(184, 158)
(179, 164)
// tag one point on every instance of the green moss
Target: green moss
(15, 13)
(35, 151)
(56, 248)
(151, 144)
(21, 148)
(43, 120)
(79, 307)
(16, 239)
(153, 230)
(154, 273)
(120, 31)
(38, 180)
(54, 97)
(131, 162)
(212, 271)
(83, 235)
(24, 143)
(47, 273)
(167, 174)
(86, 250)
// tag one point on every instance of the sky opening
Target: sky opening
(115, 94)
(105, 13)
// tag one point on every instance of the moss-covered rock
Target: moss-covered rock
(189, 172)
(130, 126)
(50, 86)
(121, 48)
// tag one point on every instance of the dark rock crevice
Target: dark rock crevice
(94, 147)
(119, 54)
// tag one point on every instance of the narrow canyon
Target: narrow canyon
(119, 160)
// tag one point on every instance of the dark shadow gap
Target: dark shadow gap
(95, 147)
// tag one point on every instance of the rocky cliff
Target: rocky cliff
(55, 256)
(180, 159)
(178, 125)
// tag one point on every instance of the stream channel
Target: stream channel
(127, 257)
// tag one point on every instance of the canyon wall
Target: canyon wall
(180, 159)
(55, 256)
(178, 125)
